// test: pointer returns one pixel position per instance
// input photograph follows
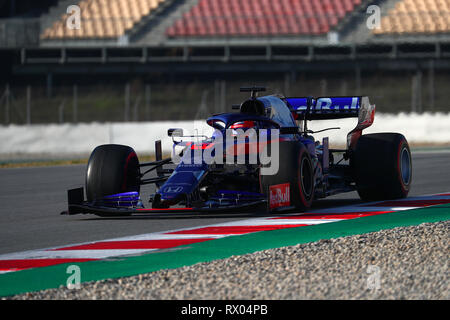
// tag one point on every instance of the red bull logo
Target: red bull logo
(279, 195)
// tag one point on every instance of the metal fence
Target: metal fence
(139, 99)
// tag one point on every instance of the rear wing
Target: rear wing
(323, 108)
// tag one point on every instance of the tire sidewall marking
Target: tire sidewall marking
(125, 173)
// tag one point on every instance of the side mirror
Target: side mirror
(175, 132)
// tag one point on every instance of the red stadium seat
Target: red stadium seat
(265, 17)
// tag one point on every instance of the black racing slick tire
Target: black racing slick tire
(382, 166)
(296, 169)
(112, 169)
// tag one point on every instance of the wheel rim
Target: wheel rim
(306, 177)
(405, 166)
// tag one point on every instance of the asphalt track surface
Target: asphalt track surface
(31, 200)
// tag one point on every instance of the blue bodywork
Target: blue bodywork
(325, 108)
(121, 200)
(196, 185)
(268, 112)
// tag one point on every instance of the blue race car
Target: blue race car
(262, 156)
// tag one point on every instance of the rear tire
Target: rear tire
(112, 169)
(295, 168)
(382, 166)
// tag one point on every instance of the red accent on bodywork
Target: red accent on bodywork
(203, 146)
(127, 161)
(354, 137)
(279, 195)
(246, 148)
(363, 123)
(244, 124)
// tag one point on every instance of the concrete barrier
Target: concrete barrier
(70, 140)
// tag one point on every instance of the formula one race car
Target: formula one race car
(263, 155)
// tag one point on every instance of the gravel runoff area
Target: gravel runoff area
(401, 263)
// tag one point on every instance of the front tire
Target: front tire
(112, 169)
(382, 166)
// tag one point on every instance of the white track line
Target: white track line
(74, 254)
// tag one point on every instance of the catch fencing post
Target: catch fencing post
(358, 79)
(416, 92)
(323, 87)
(216, 96)
(287, 84)
(431, 96)
(75, 104)
(344, 88)
(413, 93)
(136, 109)
(28, 105)
(147, 101)
(7, 105)
(61, 111)
(127, 102)
(419, 90)
(223, 88)
(49, 84)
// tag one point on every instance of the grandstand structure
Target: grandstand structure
(147, 22)
(212, 39)
(233, 31)
(197, 23)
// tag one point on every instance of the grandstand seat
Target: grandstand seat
(104, 19)
(263, 17)
(417, 17)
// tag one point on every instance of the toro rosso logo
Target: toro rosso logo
(279, 195)
(173, 189)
